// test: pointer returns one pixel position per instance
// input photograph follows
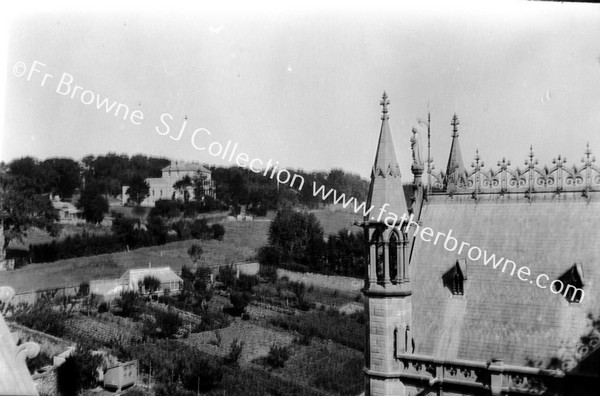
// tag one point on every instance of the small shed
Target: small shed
(121, 375)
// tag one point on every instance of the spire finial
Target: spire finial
(384, 103)
(455, 124)
(478, 163)
(588, 159)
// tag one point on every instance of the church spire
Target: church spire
(455, 162)
(386, 182)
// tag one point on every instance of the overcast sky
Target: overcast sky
(302, 86)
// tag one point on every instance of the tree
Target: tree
(235, 352)
(195, 252)
(22, 207)
(29, 176)
(198, 185)
(278, 355)
(227, 276)
(217, 231)
(165, 208)
(43, 317)
(182, 187)
(298, 237)
(78, 372)
(66, 175)
(138, 190)
(151, 284)
(130, 304)
(93, 203)
(168, 322)
(158, 230)
(240, 301)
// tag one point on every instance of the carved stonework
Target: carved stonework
(557, 178)
(15, 378)
(472, 376)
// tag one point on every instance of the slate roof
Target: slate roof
(185, 166)
(500, 315)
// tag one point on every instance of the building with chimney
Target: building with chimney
(484, 281)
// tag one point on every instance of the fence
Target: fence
(30, 297)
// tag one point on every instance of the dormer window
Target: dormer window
(458, 283)
(454, 278)
(573, 282)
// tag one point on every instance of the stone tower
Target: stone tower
(387, 288)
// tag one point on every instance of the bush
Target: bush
(278, 355)
(235, 352)
(212, 320)
(158, 230)
(195, 252)
(77, 372)
(182, 229)
(246, 282)
(226, 276)
(269, 256)
(240, 301)
(298, 289)
(200, 372)
(42, 317)
(130, 304)
(168, 322)
(268, 273)
(171, 389)
(84, 289)
(165, 208)
(218, 231)
(200, 229)
(151, 284)
(303, 305)
(103, 307)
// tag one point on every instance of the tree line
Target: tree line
(297, 242)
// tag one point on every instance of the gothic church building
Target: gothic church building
(440, 321)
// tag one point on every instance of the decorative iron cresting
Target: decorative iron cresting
(528, 180)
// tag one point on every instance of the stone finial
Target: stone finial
(455, 124)
(384, 103)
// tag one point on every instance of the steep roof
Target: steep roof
(386, 182)
(500, 315)
(455, 165)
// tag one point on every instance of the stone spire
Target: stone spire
(455, 161)
(386, 182)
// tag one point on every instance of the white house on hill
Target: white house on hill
(162, 187)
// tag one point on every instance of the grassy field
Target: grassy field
(239, 243)
(332, 222)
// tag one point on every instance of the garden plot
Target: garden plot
(257, 340)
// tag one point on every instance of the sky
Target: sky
(302, 84)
